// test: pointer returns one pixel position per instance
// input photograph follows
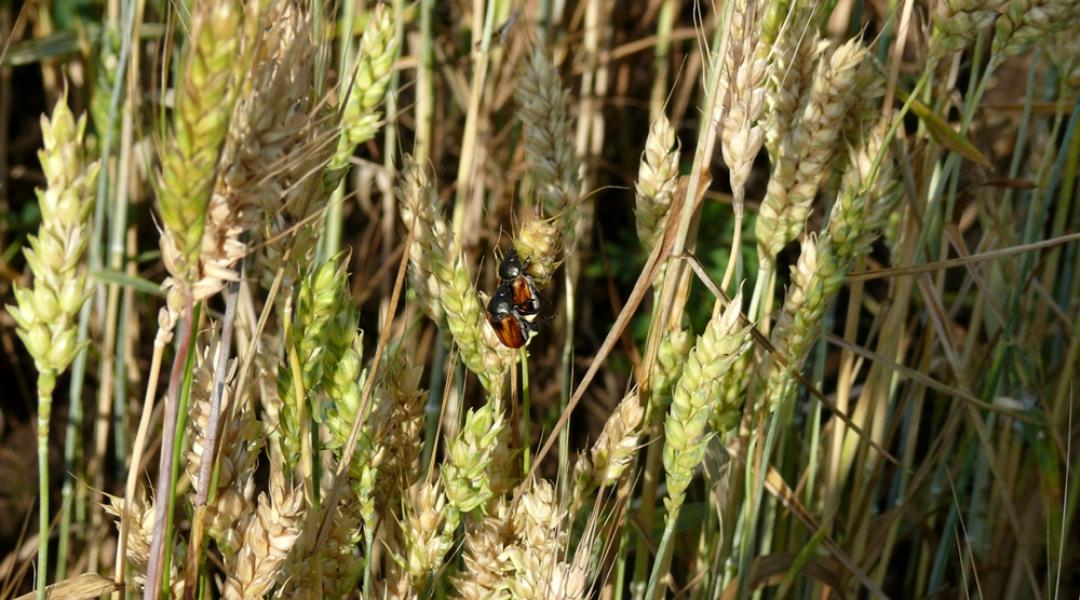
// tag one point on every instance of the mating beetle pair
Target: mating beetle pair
(515, 304)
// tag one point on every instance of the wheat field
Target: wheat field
(539, 299)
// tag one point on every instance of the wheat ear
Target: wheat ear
(369, 80)
(612, 451)
(546, 129)
(268, 537)
(741, 134)
(469, 455)
(1023, 22)
(239, 450)
(265, 135)
(692, 403)
(45, 313)
(436, 257)
(428, 529)
(204, 102)
(322, 329)
(657, 182)
(805, 155)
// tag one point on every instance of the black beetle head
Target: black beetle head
(502, 301)
(510, 267)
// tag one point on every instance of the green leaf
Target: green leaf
(130, 281)
(943, 133)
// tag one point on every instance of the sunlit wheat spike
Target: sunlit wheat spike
(538, 242)
(428, 529)
(790, 71)
(268, 538)
(485, 558)
(804, 155)
(800, 319)
(265, 138)
(239, 443)
(657, 182)
(45, 312)
(744, 69)
(613, 450)
(322, 330)
(140, 513)
(205, 94)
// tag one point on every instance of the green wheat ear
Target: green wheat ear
(45, 313)
(360, 121)
(204, 101)
(692, 403)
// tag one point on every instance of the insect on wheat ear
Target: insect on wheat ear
(514, 272)
(509, 325)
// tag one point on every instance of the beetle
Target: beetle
(514, 273)
(510, 326)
